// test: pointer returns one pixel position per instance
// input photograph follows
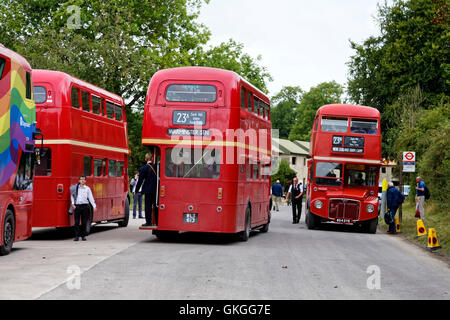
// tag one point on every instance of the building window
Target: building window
(294, 160)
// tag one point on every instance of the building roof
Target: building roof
(290, 148)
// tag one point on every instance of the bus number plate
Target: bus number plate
(344, 220)
(190, 217)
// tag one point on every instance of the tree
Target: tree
(325, 93)
(284, 173)
(283, 109)
(412, 50)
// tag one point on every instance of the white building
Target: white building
(295, 152)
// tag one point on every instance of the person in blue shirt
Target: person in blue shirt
(420, 193)
(277, 192)
(394, 200)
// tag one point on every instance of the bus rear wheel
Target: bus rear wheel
(245, 235)
(8, 233)
(123, 223)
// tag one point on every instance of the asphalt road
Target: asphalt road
(289, 262)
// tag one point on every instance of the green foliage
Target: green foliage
(283, 109)
(323, 94)
(411, 51)
(284, 173)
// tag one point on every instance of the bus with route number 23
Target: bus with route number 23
(210, 133)
(17, 147)
(85, 132)
(344, 166)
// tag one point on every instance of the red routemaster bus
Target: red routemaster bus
(344, 167)
(17, 128)
(210, 132)
(85, 132)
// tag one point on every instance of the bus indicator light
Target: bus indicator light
(60, 188)
(219, 193)
(163, 191)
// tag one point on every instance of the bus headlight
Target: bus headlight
(318, 204)
(370, 208)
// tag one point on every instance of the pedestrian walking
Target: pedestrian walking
(137, 196)
(81, 200)
(296, 192)
(277, 192)
(394, 200)
(286, 190)
(148, 182)
(420, 193)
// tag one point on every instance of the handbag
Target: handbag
(388, 218)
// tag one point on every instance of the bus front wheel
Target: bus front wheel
(8, 233)
(311, 220)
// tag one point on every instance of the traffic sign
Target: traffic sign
(409, 161)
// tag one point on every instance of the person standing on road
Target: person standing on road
(277, 192)
(148, 181)
(137, 196)
(394, 200)
(81, 198)
(296, 190)
(420, 193)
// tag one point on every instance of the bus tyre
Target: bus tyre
(123, 223)
(244, 235)
(311, 220)
(371, 227)
(8, 233)
(265, 228)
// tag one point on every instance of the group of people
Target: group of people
(395, 199)
(294, 194)
(144, 184)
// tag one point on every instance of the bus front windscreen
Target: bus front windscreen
(192, 163)
(328, 173)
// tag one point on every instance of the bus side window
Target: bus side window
(85, 101)
(96, 104)
(110, 110)
(112, 168)
(118, 112)
(243, 98)
(87, 166)
(44, 169)
(28, 85)
(97, 167)
(104, 167)
(24, 176)
(256, 105)
(249, 101)
(75, 97)
(119, 168)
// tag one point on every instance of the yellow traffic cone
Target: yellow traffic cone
(397, 225)
(433, 242)
(421, 231)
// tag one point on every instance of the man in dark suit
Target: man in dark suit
(148, 180)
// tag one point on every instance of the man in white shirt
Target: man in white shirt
(296, 190)
(81, 198)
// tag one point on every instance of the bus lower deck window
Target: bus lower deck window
(192, 163)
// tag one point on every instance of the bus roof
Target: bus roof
(202, 74)
(348, 110)
(59, 79)
(15, 57)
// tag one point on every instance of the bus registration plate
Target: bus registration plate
(345, 221)
(190, 217)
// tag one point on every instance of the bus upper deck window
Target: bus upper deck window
(330, 124)
(364, 126)
(2, 67)
(96, 104)
(85, 101)
(75, 97)
(118, 112)
(39, 94)
(191, 93)
(110, 110)
(242, 98)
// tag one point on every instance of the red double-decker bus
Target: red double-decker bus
(85, 132)
(210, 133)
(17, 129)
(343, 170)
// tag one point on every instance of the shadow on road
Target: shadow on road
(66, 233)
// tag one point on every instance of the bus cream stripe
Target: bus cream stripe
(347, 160)
(204, 143)
(86, 144)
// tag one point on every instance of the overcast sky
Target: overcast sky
(302, 42)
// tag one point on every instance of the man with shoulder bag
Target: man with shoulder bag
(81, 201)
